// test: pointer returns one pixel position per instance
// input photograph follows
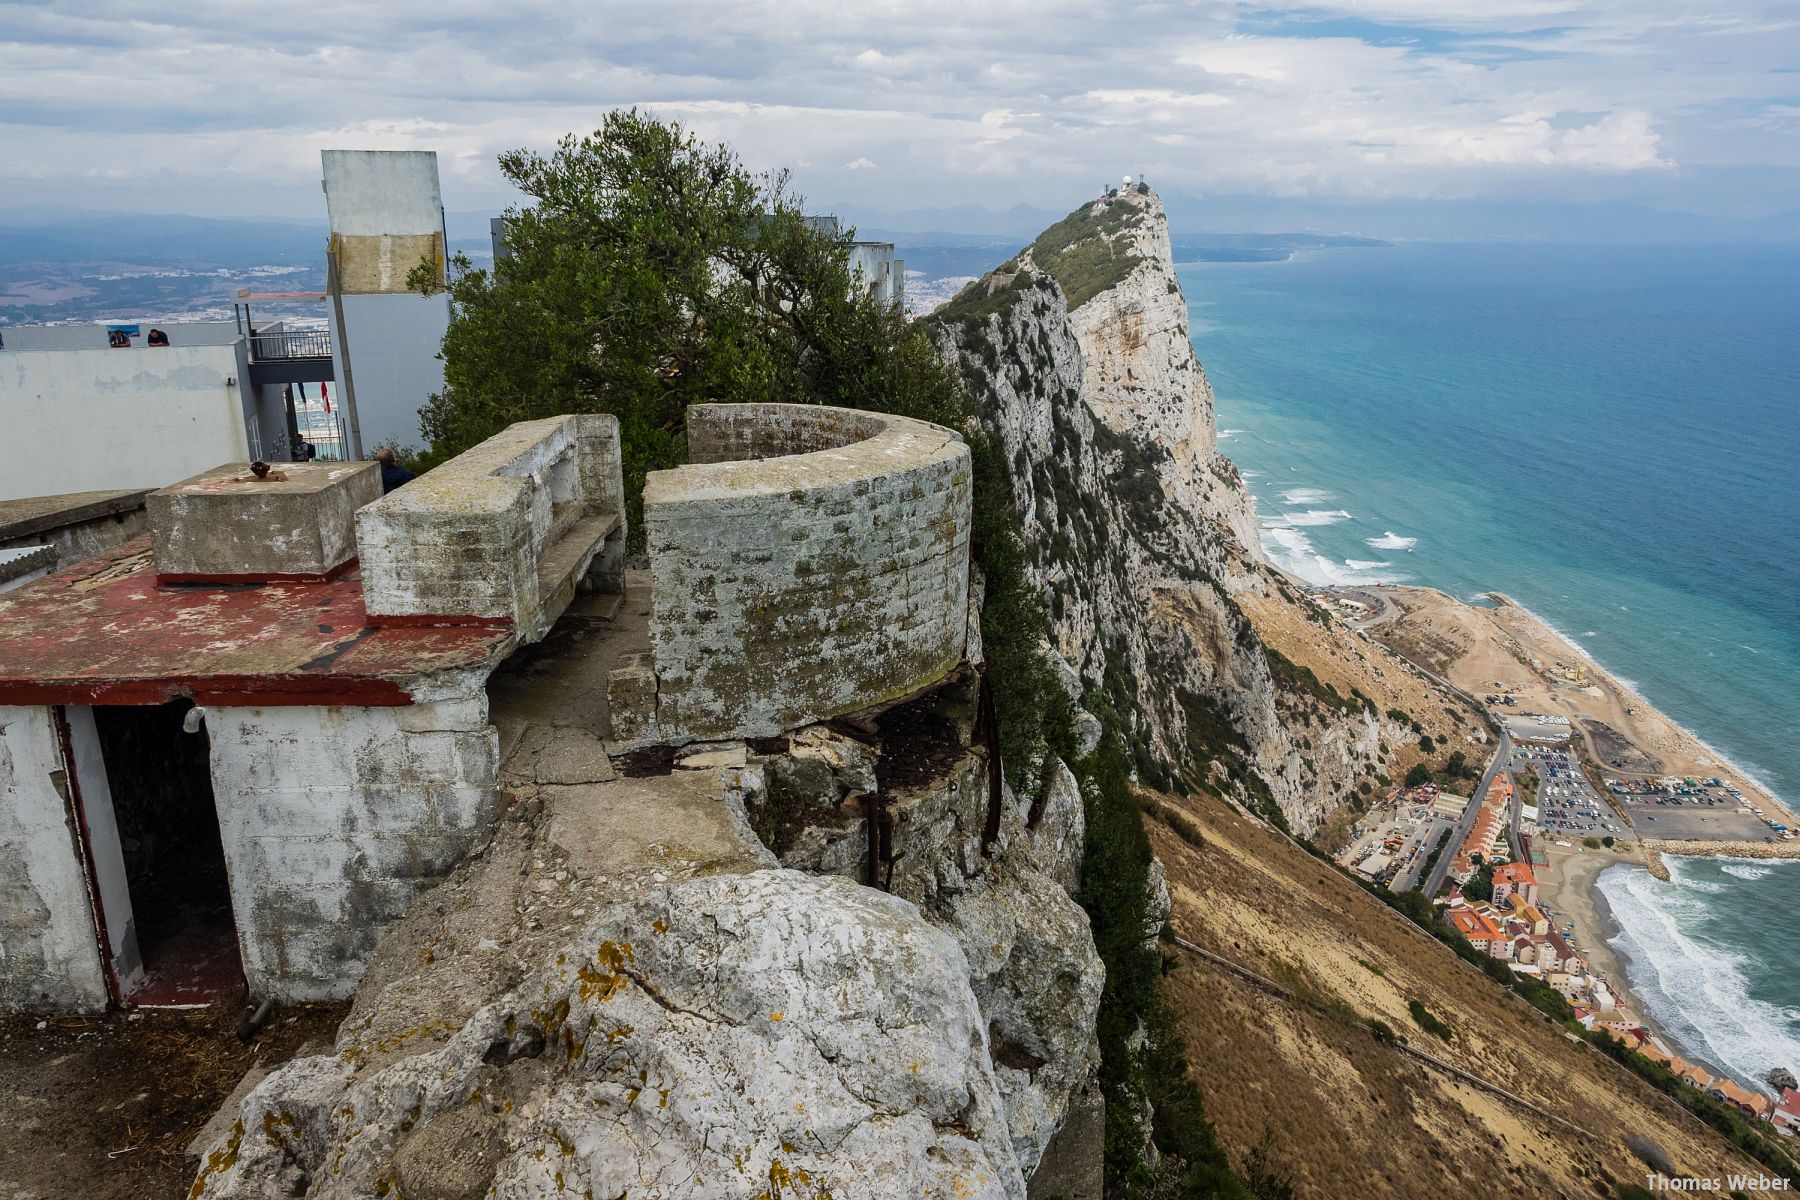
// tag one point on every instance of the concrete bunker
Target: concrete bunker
(811, 562)
(281, 693)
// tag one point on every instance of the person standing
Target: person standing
(393, 474)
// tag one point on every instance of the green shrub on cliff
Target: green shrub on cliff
(1087, 251)
(1114, 890)
(652, 270)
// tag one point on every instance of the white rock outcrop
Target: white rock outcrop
(1140, 533)
(1140, 373)
(730, 1036)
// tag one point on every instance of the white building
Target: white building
(233, 748)
(141, 404)
(95, 407)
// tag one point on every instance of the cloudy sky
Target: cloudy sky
(221, 108)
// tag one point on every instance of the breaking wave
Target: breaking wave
(1312, 516)
(1291, 550)
(1392, 541)
(1699, 989)
(1746, 869)
(1299, 496)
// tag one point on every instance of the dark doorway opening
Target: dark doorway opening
(160, 777)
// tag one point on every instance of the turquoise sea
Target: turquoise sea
(1610, 435)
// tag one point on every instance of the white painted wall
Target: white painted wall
(93, 337)
(79, 420)
(333, 819)
(49, 952)
(393, 342)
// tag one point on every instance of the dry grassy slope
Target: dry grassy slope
(1347, 1116)
(1288, 622)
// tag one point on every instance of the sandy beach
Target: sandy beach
(1568, 887)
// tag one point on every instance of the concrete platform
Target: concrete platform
(104, 632)
(550, 698)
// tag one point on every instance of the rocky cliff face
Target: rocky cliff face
(1142, 534)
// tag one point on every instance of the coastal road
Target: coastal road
(1513, 819)
(1501, 758)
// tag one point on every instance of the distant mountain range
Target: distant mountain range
(1195, 216)
(57, 265)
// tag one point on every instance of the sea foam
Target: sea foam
(1293, 552)
(1392, 541)
(1312, 516)
(1694, 987)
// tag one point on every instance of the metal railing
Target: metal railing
(299, 343)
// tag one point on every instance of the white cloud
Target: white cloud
(1006, 101)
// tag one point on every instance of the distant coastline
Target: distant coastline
(1262, 247)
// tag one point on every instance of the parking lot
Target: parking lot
(1568, 805)
(1395, 841)
(1682, 809)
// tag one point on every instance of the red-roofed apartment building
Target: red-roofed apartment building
(1751, 1103)
(1515, 877)
(1481, 933)
(1786, 1114)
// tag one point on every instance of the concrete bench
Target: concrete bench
(503, 534)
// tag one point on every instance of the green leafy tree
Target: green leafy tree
(1419, 776)
(651, 270)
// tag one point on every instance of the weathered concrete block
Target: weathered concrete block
(217, 526)
(49, 959)
(333, 819)
(631, 699)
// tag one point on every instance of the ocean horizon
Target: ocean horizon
(1610, 436)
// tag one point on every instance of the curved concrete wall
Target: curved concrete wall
(812, 562)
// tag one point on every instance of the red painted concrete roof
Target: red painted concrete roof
(102, 632)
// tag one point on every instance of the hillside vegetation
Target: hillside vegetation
(1309, 1092)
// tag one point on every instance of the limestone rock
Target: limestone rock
(707, 756)
(450, 1156)
(852, 763)
(1157, 903)
(1060, 835)
(730, 1036)
(1138, 532)
(1087, 725)
(1038, 977)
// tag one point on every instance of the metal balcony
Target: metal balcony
(291, 356)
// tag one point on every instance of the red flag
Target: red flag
(325, 395)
